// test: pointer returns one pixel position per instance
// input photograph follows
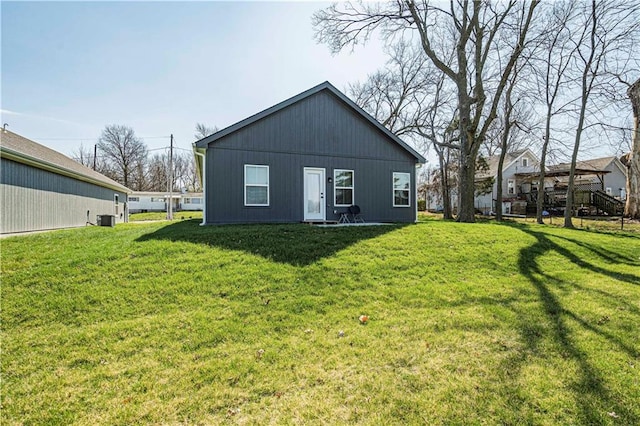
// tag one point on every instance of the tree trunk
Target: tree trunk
(508, 109)
(499, 181)
(467, 160)
(444, 181)
(466, 189)
(632, 207)
(543, 165)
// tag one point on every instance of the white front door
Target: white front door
(314, 190)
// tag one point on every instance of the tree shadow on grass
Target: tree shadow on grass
(544, 244)
(294, 244)
(589, 388)
(608, 255)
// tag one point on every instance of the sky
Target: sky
(71, 68)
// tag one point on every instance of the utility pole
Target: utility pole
(95, 154)
(170, 205)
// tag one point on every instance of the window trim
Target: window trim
(261, 185)
(393, 190)
(525, 162)
(352, 187)
(511, 187)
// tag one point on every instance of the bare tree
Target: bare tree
(437, 123)
(183, 172)
(508, 123)
(391, 95)
(632, 159)
(85, 156)
(124, 155)
(202, 131)
(407, 97)
(607, 26)
(472, 30)
(555, 56)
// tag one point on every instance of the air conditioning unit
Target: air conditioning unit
(106, 220)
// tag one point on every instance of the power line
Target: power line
(97, 137)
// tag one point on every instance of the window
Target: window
(511, 186)
(134, 199)
(187, 201)
(157, 200)
(525, 162)
(116, 202)
(196, 201)
(609, 191)
(401, 189)
(256, 185)
(343, 187)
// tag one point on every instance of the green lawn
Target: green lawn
(168, 323)
(182, 215)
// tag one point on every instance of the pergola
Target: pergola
(564, 172)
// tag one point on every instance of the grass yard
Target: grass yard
(182, 215)
(168, 323)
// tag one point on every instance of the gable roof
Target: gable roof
(509, 159)
(595, 164)
(203, 143)
(22, 150)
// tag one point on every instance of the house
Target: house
(607, 173)
(307, 159)
(513, 185)
(142, 202)
(41, 189)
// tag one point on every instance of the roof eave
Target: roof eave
(44, 165)
(203, 143)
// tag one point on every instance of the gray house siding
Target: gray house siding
(35, 199)
(616, 180)
(319, 131)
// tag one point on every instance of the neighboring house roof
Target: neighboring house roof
(203, 143)
(596, 165)
(22, 150)
(494, 160)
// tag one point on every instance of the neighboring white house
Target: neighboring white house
(140, 202)
(515, 164)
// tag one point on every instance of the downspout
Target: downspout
(415, 190)
(203, 175)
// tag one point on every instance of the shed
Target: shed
(42, 189)
(307, 159)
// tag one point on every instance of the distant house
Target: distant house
(515, 163)
(599, 186)
(607, 172)
(41, 189)
(307, 159)
(142, 202)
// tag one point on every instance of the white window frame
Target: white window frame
(261, 185)
(511, 187)
(352, 187)
(393, 190)
(525, 162)
(608, 191)
(134, 199)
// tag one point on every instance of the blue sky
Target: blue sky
(70, 68)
